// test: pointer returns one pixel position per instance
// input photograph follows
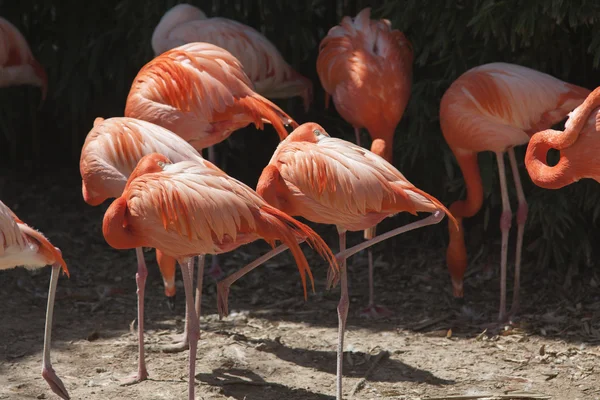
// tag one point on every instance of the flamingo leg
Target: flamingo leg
(505, 222)
(373, 310)
(48, 373)
(357, 134)
(140, 280)
(187, 267)
(434, 218)
(521, 219)
(342, 311)
(183, 344)
(224, 285)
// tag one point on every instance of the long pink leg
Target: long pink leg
(521, 219)
(47, 371)
(357, 134)
(140, 279)
(187, 268)
(224, 285)
(342, 311)
(505, 222)
(184, 344)
(434, 218)
(373, 310)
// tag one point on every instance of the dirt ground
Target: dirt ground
(274, 345)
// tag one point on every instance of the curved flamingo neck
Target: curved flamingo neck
(543, 175)
(116, 229)
(575, 124)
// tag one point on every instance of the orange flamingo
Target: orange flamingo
(201, 92)
(189, 208)
(331, 181)
(578, 146)
(495, 107)
(17, 64)
(367, 67)
(110, 153)
(22, 245)
(271, 75)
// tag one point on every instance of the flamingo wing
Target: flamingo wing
(342, 176)
(205, 85)
(189, 200)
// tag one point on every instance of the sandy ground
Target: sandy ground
(274, 345)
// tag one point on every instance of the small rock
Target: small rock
(41, 396)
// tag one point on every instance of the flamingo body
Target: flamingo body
(17, 64)
(200, 92)
(578, 145)
(270, 74)
(21, 245)
(495, 107)
(366, 66)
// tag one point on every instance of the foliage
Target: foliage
(92, 51)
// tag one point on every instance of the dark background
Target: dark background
(92, 50)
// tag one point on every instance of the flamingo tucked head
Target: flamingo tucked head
(115, 226)
(307, 132)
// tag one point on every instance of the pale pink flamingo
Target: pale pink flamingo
(191, 208)
(22, 245)
(270, 74)
(17, 64)
(111, 151)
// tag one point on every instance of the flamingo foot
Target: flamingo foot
(55, 383)
(133, 379)
(374, 311)
(222, 298)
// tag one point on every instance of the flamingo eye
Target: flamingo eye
(319, 132)
(162, 164)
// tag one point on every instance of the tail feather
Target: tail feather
(47, 248)
(263, 110)
(437, 204)
(288, 230)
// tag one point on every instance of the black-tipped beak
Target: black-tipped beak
(171, 302)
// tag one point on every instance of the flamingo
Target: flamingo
(201, 92)
(191, 208)
(22, 245)
(495, 107)
(111, 151)
(17, 64)
(270, 74)
(366, 66)
(578, 146)
(331, 181)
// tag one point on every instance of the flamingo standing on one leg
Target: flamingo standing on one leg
(367, 67)
(22, 245)
(495, 107)
(110, 153)
(17, 64)
(579, 146)
(189, 208)
(202, 93)
(331, 181)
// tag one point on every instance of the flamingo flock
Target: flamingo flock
(213, 76)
